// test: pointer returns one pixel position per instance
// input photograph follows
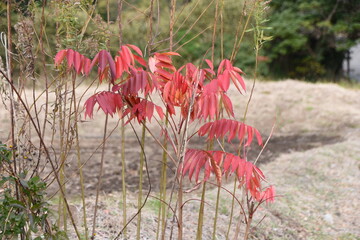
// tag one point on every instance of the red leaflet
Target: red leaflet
(232, 128)
(227, 105)
(141, 109)
(268, 195)
(140, 60)
(246, 172)
(224, 80)
(213, 161)
(109, 102)
(135, 48)
(137, 81)
(70, 58)
(162, 68)
(171, 53)
(74, 59)
(86, 66)
(208, 101)
(59, 57)
(229, 71)
(176, 92)
(210, 161)
(209, 71)
(105, 62)
(211, 65)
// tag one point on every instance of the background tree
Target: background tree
(311, 37)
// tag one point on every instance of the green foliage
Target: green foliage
(5, 154)
(27, 212)
(311, 37)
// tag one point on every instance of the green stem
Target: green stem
(141, 181)
(216, 213)
(162, 210)
(232, 210)
(201, 214)
(123, 172)
(209, 146)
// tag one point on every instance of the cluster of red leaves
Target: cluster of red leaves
(205, 89)
(79, 62)
(127, 75)
(223, 163)
(220, 128)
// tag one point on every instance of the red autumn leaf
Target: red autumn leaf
(135, 48)
(227, 105)
(232, 128)
(227, 68)
(126, 56)
(210, 161)
(70, 58)
(213, 161)
(141, 109)
(236, 78)
(161, 67)
(105, 62)
(171, 53)
(176, 91)
(138, 80)
(140, 60)
(211, 65)
(120, 67)
(109, 102)
(207, 104)
(74, 59)
(248, 174)
(268, 195)
(77, 62)
(86, 66)
(59, 57)
(224, 80)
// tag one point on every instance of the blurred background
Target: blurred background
(312, 40)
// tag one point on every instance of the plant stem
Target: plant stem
(232, 209)
(123, 172)
(216, 212)
(214, 31)
(163, 184)
(201, 214)
(143, 134)
(99, 178)
(248, 223)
